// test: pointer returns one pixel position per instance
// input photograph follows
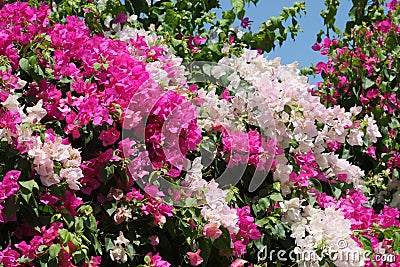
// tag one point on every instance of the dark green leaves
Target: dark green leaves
(274, 30)
(224, 241)
(366, 242)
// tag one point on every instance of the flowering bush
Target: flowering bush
(362, 70)
(112, 155)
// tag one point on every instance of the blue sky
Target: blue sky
(311, 23)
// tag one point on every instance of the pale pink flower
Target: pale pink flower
(355, 137)
(372, 129)
(72, 176)
(115, 193)
(36, 113)
(118, 253)
(121, 214)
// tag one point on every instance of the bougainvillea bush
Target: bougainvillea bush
(88, 118)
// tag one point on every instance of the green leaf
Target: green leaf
(66, 80)
(140, 6)
(316, 184)
(229, 16)
(96, 66)
(38, 70)
(78, 224)
(24, 259)
(54, 250)
(238, 6)
(131, 251)
(367, 83)
(26, 197)
(29, 185)
(58, 191)
(78, 256)
(113, 207)
(396, 242)
(276, 22)
(205, 244)
(85, 209)
(190, 202)
(263, 203)
(44, 260)
(276, 197)
(336, 191)
(262, 222)
(108, 243)
(276, 186)
(24, 64)
(147, 260)
(92, 224)
(396, 173)
(394, 123)
(107, 172)
(241, 13)
(224, 241)
(97, 245)
(353, 12)
(65, 235)
(278, 230)
(366, 242)
(311, 200)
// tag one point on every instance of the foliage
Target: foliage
(180, 22)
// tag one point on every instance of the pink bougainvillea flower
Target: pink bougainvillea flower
(158, 210)
(195, 258)
(316, 47)
(48, 199)
(193, 88)
(226, 95)
(326, 43)
(9, 186)
(238, 263)
(134, 194)
(110, 136)
(95, 261)
(246, 23)
(247, 231)
(157, 261)
(333, 145)
(239, 248)
(392, 5)
(120, 18)
(153, 191)
(71, 202)
(9, 257)
(154, 240)
(199, 40)
(212, 230)
(371, 151)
